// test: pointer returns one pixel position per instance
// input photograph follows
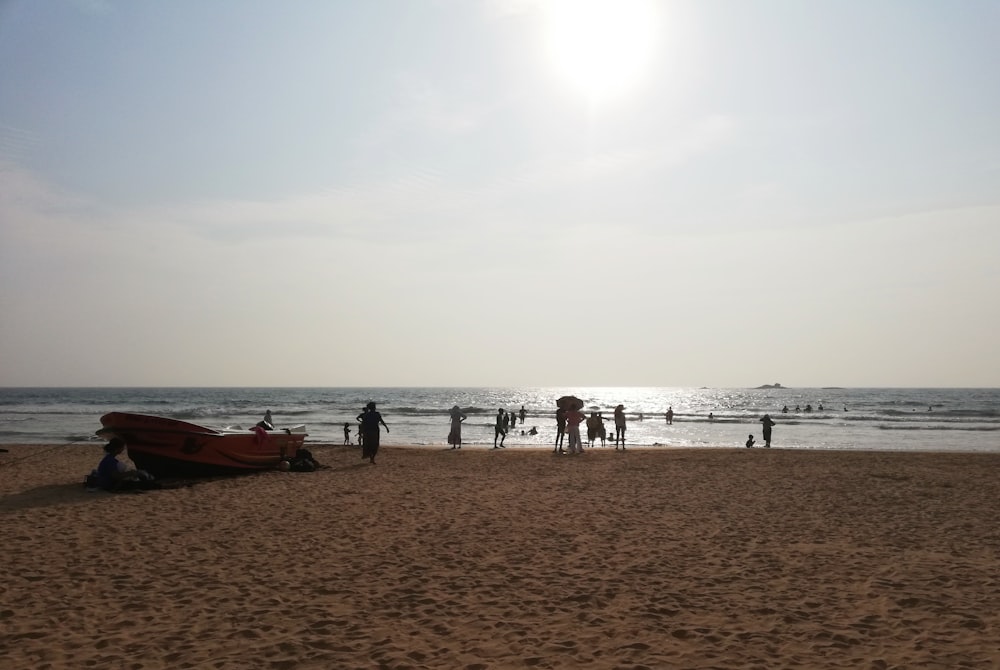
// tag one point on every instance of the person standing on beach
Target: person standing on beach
(592, 422)
(767, 423)
(522, 414)
(620, 426)
(574, 417)
(347, 434)
(560, 430)
(455, 435)
(500, 429)
(370, 420)
(670, 415)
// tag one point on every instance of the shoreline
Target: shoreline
(12, 448)
(656, 557)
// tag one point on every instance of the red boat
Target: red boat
(171, 448)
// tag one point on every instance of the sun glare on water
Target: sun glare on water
(602, 48)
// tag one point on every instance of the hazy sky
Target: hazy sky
(499, 192)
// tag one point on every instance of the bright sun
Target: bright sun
(600, 47)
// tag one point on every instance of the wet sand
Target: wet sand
(475, 559)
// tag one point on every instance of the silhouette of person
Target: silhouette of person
(750, 442)
(455, 434)
(370, 420)
(620, 426)
(560, 429)
(500, 430)
(347, 433)
(574, 417)
(670, 415)
(767, 423)
(592, 422)
(522, 414)
(361, 435)
(533, 431)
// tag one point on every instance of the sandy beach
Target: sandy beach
(476, 559)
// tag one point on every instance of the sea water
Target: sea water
(851, 418)
(904, 419)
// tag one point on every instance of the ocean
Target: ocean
(898, 419)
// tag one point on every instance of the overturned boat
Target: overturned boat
(172, 448)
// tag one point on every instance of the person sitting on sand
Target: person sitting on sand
(533, 431)
(115, 475)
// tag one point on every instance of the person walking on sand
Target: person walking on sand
(370, 420)
(574, 417)
(500, 430)
(767, 423)
(620, 426)
(455, 436)
(560, 430)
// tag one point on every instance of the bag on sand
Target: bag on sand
(303, 461)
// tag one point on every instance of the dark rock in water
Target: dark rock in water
(771, 386)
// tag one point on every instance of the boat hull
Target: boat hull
(171, 448)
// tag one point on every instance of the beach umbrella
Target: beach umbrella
(568, 402)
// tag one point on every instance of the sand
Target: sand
(475, 559)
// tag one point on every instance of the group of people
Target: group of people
(568, 419)
(368, 431)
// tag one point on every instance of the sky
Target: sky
(499, 193)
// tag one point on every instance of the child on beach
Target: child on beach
(347, 434)
(750, 442)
